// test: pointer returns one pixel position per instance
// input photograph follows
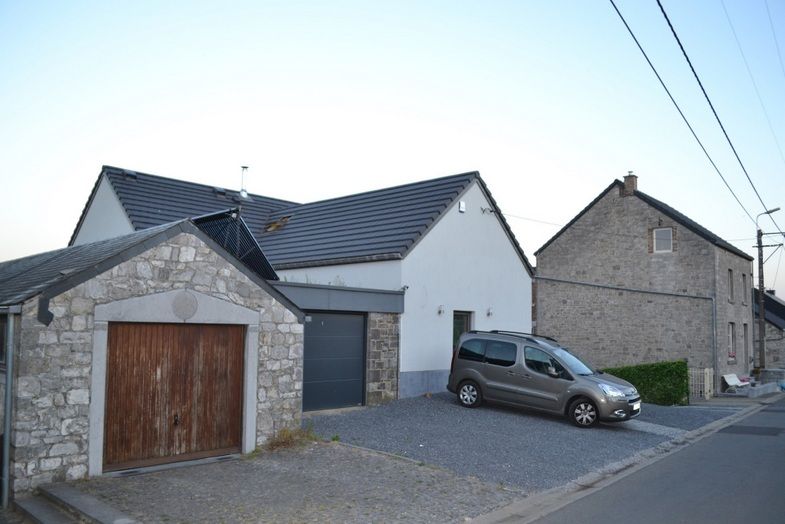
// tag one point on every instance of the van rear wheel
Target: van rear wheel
(583, 413)
(469, 394)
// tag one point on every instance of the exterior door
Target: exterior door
(173, 392)
(334, 362)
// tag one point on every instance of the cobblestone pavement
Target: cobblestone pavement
(320, 482)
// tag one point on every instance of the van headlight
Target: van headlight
(612, 392)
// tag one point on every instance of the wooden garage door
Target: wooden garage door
(334, 363)
(173, 392)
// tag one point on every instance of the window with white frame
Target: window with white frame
(662, 239)
(731, 340)
(730, 285)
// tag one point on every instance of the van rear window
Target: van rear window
(473, 349)
(500, 353)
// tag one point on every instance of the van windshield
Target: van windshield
(573, 363)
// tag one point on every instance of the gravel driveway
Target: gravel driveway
(513, 447)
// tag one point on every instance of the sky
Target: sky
(549, 100)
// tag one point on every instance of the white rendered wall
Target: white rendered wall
(465, 263)
(373, 275)
(105, 217)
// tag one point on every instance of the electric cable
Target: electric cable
(716, 116)
(776, 42)
(754, 83)
(662, 82)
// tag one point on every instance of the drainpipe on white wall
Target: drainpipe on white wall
(9, 398)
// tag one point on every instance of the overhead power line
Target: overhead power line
(683, 117)
(716, 116)
(754, 83)
(776, 42)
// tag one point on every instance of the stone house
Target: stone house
(157, 346)
(443, 243)
(774, 309)
(631, 280)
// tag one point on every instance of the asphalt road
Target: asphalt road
(734, 475)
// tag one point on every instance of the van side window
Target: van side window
(500, 353)
(538, 360)
(473, 349)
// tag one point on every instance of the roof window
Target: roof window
(275, 225)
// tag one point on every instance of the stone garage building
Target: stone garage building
(163, 345)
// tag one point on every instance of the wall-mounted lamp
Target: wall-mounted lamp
(440, 310)
(489, 312)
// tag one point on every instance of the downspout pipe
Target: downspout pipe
(9, 398)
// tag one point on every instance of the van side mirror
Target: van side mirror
(552, 372)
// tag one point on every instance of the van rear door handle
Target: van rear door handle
(515, 374)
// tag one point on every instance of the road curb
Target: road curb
(538, 505)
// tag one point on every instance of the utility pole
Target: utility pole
(761, 291)
(761, 310)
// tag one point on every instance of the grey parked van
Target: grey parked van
(536, 372)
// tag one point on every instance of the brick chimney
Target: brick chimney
(630, 184)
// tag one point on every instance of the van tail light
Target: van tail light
(452, 362)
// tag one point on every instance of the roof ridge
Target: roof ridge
(123, 171)
(689, 223)
(473, 174)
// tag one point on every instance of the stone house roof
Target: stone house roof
(384, 224)
(774, 309)
(662, 208)
(51, 273)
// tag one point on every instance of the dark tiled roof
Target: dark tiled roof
(151, 200)
(376, 225)
(62, 269)
(27, 277)
(773, 306)
(662, 208)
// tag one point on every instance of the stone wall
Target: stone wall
(611, 245)
(615, 328)
(54, 362)
(382, 358)
(736, 309)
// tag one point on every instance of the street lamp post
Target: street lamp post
(761, 290)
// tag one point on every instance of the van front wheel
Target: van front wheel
(583, 413)
(469, 394)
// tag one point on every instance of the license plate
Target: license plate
(636, 406)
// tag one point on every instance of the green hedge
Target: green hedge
(664, 383)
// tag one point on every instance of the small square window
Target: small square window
(663, 240)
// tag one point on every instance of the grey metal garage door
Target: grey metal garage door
(334, 363)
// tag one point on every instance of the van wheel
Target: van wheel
(469, 394)
(583, 413)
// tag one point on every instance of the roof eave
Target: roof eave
(578, 216)
(182, 226)
(337, 261)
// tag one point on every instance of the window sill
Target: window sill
(732, 360)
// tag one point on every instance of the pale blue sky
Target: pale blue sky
(550, 101)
